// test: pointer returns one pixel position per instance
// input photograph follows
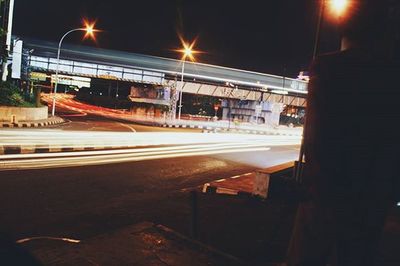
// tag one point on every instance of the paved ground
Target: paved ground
(84, 202)
(143, 244)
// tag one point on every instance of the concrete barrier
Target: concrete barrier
(18, 114)
(263, 176)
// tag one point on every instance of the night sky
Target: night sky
(270, 36)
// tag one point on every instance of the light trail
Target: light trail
(39, 163)
(62, 139)
(126, 146)
(126, 151)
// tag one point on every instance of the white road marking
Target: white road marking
(75, 241)
(131, 128)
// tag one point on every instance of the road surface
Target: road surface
(79, 195)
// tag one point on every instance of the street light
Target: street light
(187, 52)
(90, 30)
(338, 9)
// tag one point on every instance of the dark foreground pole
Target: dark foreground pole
(194, 205)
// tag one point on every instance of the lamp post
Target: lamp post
(89, 29)
(317, 32)
(187, 51)
(9, 19)
(181, 89)
(337, 8)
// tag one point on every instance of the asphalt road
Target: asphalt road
(96, 123)
(87, 201)
(80, 202)
(87, 122)
(84, 201)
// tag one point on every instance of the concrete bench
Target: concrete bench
(263, 176)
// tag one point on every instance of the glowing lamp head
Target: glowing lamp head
(89, 29)
(187, 52)
(339, 7)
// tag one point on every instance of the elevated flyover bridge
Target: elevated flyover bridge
(199, 78)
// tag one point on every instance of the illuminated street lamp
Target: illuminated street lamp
(187, 52)
(338, 9)
(89, 33)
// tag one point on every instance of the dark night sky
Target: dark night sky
(266, 36)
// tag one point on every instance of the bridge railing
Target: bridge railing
(96, 70)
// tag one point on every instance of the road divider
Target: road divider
(28, 124)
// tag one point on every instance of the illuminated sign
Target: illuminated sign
(35, 76)
(72, 81)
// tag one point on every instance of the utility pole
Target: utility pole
(8, 12)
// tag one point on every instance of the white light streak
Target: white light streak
(75, 241)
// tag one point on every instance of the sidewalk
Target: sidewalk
(37, 123)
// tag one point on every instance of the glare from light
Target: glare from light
(89, 29)
(339, 7)
(187, 49)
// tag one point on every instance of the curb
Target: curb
(220, 186)
(8, 150)
(256, 184)
(209, 189)
(208, 129)
(254, 132)
(50, 122)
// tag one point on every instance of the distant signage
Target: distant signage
(108, 76)
(150, 94)
(36, 76)
(16, 60)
